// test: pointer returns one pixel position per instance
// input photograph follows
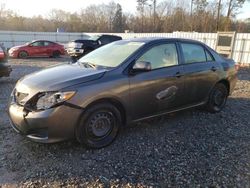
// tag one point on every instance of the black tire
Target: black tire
(56, 54)
(99, 125)
(217, 98)
(23, 54)
(73, 59)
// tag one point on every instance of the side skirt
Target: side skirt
(168, 112)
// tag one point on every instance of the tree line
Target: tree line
(150, 16)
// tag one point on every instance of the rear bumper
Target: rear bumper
(48, 126)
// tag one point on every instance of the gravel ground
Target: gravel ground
(185, 149)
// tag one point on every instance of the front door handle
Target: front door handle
(213, 69)
(178, 74)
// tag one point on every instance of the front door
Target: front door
(160, 89)
(37, 49)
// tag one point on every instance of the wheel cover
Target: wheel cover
(23, 54)
(219, 98)
(100, 125)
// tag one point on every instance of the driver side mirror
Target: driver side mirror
(141, 66)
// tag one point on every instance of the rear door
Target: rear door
(49, 48)
(160, 89)
(200, 72)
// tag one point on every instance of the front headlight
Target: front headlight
(48, 100)
(14, 49)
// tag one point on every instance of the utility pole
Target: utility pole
(218, 15)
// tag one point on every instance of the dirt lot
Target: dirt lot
(186, 149)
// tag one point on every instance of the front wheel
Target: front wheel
(23, 54)
(99, 125)
(217, 98)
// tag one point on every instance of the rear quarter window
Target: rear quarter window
(209, 56)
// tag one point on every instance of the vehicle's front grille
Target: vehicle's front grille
(20, 97)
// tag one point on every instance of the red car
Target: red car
(38, 48)
(4, 68)
(3, 56)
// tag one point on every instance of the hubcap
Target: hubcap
(101, 124)
(219, 98)
(23, 54)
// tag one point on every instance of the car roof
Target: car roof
(107, 35)
(41, 41)
(155, 39)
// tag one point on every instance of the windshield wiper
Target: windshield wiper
(87, 64)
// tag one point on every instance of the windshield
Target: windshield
(111, 55)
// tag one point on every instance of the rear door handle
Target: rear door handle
(213, 69)
(178, 74)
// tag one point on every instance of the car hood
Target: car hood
(58, 77)
(21, 46)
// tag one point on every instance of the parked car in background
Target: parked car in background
(3, 54)
(5, 70)
(37, 48)
(103, 91)
(78, 48)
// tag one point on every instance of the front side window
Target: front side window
(193, 53)
(38, 43)
(164, 55)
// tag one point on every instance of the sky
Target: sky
(31, 8)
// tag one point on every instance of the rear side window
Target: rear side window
(193, 53)
(46, 43)
(105, 40)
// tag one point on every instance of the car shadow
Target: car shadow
(187, 147)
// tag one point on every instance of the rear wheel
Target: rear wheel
(217, 98)
(56, 54)
(23, 54)
(99, 125)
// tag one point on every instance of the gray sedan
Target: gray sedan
(120, 83)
